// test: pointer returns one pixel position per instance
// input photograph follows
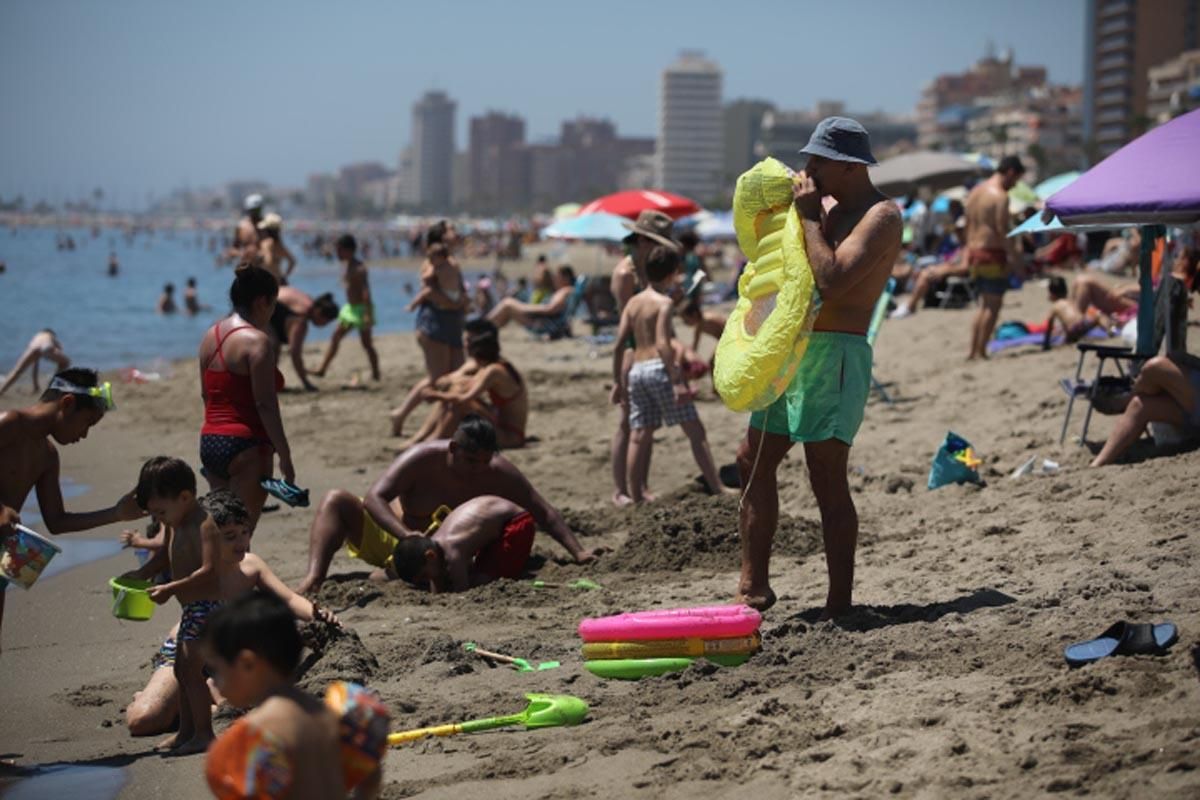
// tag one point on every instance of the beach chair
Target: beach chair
(1170, 324)
(877, 317)
(577, 305)
(957, 292)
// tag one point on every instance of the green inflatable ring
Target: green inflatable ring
(630, 669)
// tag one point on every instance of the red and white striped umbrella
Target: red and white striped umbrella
(632, 202)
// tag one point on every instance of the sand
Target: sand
(948, 679)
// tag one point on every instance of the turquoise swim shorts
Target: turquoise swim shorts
(828, 395)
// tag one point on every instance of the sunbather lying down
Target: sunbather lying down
(1090, 306)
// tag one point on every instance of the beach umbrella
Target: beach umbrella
(1152, 181)
(1053, 184)
(718, 225)
(632, 202)
(1021, 197)
(566, 210)
(905, 173)
(588, 228)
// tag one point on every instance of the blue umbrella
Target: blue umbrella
(1054, 184)
(598, 227)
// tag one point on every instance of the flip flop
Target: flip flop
(287, 492)
(1124, 638)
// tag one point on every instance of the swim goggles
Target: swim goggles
(103, 391)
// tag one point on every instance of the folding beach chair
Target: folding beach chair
(1170, 324)
(877, 317)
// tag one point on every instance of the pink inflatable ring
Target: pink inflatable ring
(707, 622)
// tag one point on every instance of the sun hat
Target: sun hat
(252, 202)
(271, 222)
(840, 139)
(653, 225)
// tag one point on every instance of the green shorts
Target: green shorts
(354, 315)
(828, 396)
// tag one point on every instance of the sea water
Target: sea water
(111, 322)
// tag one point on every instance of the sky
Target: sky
(139, 97)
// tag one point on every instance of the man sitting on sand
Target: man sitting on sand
(405, 500)
(73, 403)
(480, 541)
(1076, 321)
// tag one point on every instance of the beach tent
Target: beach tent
(718, 225)
(588, 228)
(1152, 181)
(566, 210)
(1021, 197)
(632, 202)
(904, 174)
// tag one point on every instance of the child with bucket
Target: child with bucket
(74, 401)
(167, 489)
(289, 744)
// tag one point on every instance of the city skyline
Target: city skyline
(299, 88)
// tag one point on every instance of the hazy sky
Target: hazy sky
(140, 96)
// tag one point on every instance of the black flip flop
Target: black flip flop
(1124, 639)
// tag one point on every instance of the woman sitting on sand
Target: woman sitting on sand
(549, 318)
(491, 388)
(240, 387)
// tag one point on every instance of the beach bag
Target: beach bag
(954, 462)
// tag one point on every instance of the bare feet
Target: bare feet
(308, 586)
(168, 744)
(397, 423)
(196, 744)
(758, 599)
(621, 500)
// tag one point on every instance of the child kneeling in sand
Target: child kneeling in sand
(239, 571)
(290, 744)
(657, 389)
(167, 489)
(483, 539)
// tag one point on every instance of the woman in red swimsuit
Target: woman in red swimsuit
(240, 385)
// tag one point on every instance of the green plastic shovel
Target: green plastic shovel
(520, 664)
(582, 583)
(544, 711)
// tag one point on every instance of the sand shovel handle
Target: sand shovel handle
(403, 737)
(495, 656)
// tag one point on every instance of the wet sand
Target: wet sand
(947, 680)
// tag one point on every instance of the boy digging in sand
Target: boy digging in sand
(239, 571)
(657, 390)
(167, 489)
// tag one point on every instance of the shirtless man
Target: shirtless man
(991, 255)
(71, 405)
(851, 249)
(245, 235)
(406, 499)
(44, 344)
(483, 539)
(651, 229)
(359, 311)
(272, 252)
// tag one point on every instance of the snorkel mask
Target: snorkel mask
(103, 391)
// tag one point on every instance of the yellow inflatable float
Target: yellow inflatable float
(778, 301)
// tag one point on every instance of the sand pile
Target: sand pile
(334, 654)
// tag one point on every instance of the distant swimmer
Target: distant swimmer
(44, 344)
(271, 250)
(114, 266)
(166, 302)
(245, 236)
(191, 300)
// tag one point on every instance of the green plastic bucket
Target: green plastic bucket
(130, 599)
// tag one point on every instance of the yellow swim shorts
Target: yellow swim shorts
(377, 545)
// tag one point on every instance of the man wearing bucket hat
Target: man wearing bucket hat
(74, 401)
(851, 249)
(650, 229)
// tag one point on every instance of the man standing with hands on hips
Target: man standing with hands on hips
(851, 249)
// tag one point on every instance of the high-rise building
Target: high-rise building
(1123, 40)
(742, 122)
(1174, 87)
(433, 150)
(690, 159)
(496, 174)
(586, 162)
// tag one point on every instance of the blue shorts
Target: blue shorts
(991, 285)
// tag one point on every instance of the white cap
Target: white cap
(252, 202)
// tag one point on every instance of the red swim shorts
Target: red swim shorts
(506, 557)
